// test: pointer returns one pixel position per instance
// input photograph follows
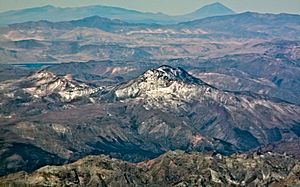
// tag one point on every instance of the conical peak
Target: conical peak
(167, 73)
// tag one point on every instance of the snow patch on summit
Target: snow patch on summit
(45, 83)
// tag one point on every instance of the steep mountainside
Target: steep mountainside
(175, 168)
(227, 113)
(263, 74)
(163, 109)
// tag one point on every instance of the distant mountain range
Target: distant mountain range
(51, 13)
(97, 38)
(243, 25)
(249, 24)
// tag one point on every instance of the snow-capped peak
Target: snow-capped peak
(44, 83)
(164, 82)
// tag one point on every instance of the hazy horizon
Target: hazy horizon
(177, 8)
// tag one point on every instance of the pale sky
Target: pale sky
(171, 7)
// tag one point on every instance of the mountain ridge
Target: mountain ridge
(173, 168)
(134, 16)
(163, 109)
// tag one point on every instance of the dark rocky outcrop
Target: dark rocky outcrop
(174, 168)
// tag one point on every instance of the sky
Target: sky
(171, 7)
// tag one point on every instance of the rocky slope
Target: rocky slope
(211, 111)
(163, 109)
(175, 168)
(44, 83)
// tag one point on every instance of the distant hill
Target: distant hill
(104, 24)
(54, 14)
(248, 25)
(215, 9)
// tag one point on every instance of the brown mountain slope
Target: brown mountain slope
(163, 109)
(175, 168)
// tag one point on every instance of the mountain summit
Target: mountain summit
(160, 82)
(168, 74)
(173, 90)
(215, 9)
